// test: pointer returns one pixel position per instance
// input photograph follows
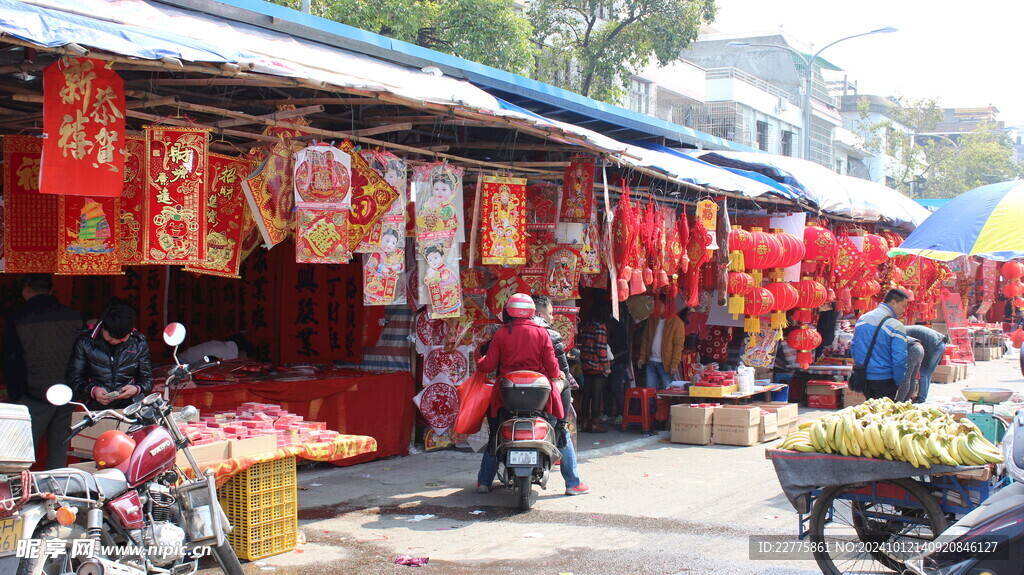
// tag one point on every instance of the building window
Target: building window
(639, 96)
(890, 182)
(787, 143)
(839, 165)
(762, 136)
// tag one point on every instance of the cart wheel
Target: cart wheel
(873, 536)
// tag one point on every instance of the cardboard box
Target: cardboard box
(787, 428)
(768, 430)
(83, 442)
(851, 398)
(711, 391)
(736, 425)
(691, 424)
(786, 413)
(253, 445)
(831, 401)
(216, 451)
(946, 373)
(940, 327)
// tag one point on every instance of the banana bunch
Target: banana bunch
(884, 429)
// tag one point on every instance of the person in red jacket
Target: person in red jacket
(520, 344)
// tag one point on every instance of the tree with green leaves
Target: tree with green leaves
(591, 47)
(492, 32)
(983, 156)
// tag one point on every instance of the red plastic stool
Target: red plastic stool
(643, 395)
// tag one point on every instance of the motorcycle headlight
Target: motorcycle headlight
(1014, 467)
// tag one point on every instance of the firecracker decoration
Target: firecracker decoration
(739, 285)
(88, 236)
(30, 218)
(177, 184)
(132, 205)
(270, 194)
(875, 249)
(578, 191)
(227, 213)
(438, 205)
(83, 113)
(1012, 270)
(503, 221)
(699, 240)
(759, 302)
(394, 170)
(763, 252)
(625, 228)
(786, 297)
(372, 197)
(804, 339)
(810, 296)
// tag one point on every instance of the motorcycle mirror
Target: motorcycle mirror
(59, 394)
(174, 334)
(188, 413)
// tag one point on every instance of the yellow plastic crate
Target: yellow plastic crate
(262, 505)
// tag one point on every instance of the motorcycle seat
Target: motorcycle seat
(69, 481)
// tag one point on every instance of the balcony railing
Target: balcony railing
(725, 73)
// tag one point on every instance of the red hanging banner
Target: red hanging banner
(30, 218)
(88, 236)
(83, 113)
(372, 197)
(175, 197)
(578, 191)
(503, 219)
(565, 323)
(226, 216)
(132, 207)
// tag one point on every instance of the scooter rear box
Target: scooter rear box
(522, 392)
(17, 452)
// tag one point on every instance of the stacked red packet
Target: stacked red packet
(254, 420)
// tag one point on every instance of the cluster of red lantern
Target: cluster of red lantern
(1013, 288)
(820, 245)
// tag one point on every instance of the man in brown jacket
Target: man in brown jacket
(661, 348)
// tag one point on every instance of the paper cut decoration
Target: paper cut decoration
(503, 220)
(439, 404)
(542, 205)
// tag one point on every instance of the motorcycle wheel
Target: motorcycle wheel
(52, 565)
(524, 492)
(227, 559)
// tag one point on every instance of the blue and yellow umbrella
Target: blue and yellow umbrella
(986, 222)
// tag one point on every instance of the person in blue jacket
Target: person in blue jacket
(888, 363)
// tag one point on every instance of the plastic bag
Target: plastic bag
(474, 399)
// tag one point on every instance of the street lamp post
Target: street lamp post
(809, 76)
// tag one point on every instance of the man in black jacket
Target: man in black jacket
(110, 364)
(37, 343)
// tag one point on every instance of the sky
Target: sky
(966, 54)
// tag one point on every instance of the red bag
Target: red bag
(1017, 337)
(474, 399)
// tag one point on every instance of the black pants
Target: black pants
(54, 423)
(593, 392)
(881, 388)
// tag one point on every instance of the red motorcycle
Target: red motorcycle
(138, 514)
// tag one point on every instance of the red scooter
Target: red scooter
(138, 514)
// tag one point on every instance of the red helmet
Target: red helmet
(112, 448)
(520, 305)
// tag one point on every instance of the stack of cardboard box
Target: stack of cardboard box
(732, 424)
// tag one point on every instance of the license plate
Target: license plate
(10, 532)
(522, 458)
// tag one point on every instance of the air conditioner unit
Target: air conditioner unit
(781, 106)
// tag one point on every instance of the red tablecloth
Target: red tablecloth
(354, 403)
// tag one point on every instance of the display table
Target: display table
(378, 405)
(763, 394)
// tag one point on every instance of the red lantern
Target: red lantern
(875, 250)
(762, 253)
(1019, 303)
(793, 249)
(819, 243)
(862, 291)
(1012, 270)
(1013, 289)
(648, 275)
(739, 285)
(739, 242)
(759, 302)
(804, 339)
(786, 297)
(811, 295)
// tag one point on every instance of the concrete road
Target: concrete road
(656, 508)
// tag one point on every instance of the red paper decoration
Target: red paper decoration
(785, 296)
(819, 243)
(804, 339)
(811, 296)
(759, 302)
(1012, 270)
(875, 249)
